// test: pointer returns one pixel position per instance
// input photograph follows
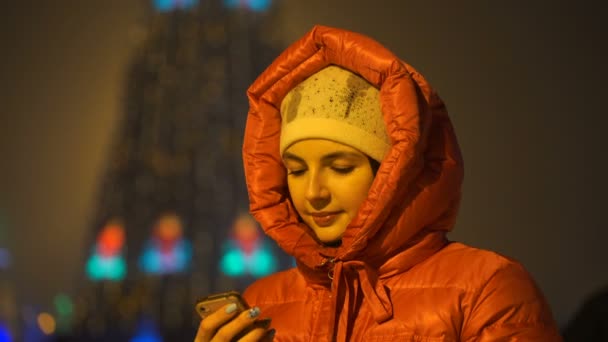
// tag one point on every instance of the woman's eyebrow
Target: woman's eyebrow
(340, 154)
(287, 156)
(291, 156)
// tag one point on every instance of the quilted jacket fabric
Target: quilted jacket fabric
(395, 277)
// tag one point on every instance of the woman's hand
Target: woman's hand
(226, 323)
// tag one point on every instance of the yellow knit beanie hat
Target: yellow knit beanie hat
(338, 105)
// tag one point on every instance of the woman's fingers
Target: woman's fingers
(269, 337)
(237, 326)
(213, 322)
(225, 324)
(258, 335)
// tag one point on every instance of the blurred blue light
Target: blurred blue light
(169, 5)
(254, 5)
(259, 5)
(31, 330)
(146, 332)
(5, 334)
(146, 337)
(231, 3)
(150, 261)
(156, 261)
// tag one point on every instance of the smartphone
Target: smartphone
(208, 305)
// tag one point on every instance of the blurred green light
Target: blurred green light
(236, 263)
(112, 268)
(262, 263)
(233, 263)
(63, 304)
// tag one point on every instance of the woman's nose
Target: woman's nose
(317, 192)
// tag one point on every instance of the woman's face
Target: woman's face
(327, 181)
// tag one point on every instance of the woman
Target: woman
(352, 167)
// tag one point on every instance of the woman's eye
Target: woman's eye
(343, 169)
(296, 172)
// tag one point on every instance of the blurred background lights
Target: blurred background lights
(110, 268)
(111, 239)
(63, 304)
(167, 251)
(146, 332)
(170, 5)
(254, 5)
(246, 252)
(65, 309)
(46, 322)
(107, 261)
(157, 261)
(261, 263)
(5, 334)
(233, 262)
(164, 186)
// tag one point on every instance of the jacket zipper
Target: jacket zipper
(329, 262)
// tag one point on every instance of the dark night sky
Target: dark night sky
(521, 79)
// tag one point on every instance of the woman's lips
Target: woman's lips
(324, 219)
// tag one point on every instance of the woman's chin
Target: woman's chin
(335, 243)
(328, 239)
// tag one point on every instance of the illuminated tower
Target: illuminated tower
(174, 179)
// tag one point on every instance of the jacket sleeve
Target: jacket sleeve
(510, 307)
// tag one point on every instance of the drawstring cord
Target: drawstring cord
(351, 279)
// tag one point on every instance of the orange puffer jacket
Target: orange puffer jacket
(395, 275)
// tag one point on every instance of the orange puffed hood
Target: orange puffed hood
(415, 196)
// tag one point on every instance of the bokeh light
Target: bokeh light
(111, 239)
(167, 251)
(254, 5)
(170, 5)
(262, 263)
(110, 268)
(46, 323)
(246, 252)
(63, 304)
(107, 260)
(5, 334)
(146, 332)
(233, 263)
